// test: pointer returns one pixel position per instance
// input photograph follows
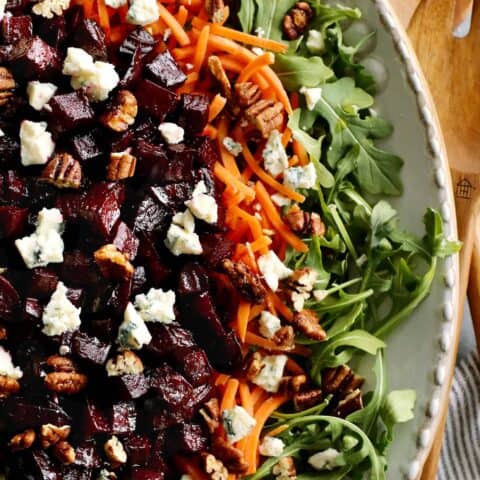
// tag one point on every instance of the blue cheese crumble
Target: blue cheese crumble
(202, 205)
(7, 368)
(36, 144)
(269, 324)
(156, 305)
(39, 94)
(273, 269)
(143, 12)
(271, 447)
(238, 423)
(312, 96)
(326, 460)
(133, 334)
(300, 177)
(232, 146)
(271, 374)
(181, 237)
(274, 155)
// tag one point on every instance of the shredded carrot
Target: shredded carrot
(228, 179)
(183, 53)
(216, 106)
(261, 244)
(103, 17)
(255, 311)
(201, 49)
(177, 30)
(210, 131)
(182, 15)
(253, 223)
(228, 400)
(246, 398)
(286, 137)
(286, 313)
(243, 314)
(222, 379)
(255, 65)
(277, 431)
(88, 8)
(272, 214)
(294, 368)
(190, 467)
(301, 153)
(258, 341)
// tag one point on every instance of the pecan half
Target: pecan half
(253, 364)
(296, 20)
(308, 323)
(211, 414)
(63, 171)
(8, 386)
(340, 380)
(304, 223)
(121, 166)
(217, 11)
(351, 403)
(121, 113)
(51, 434)
(22, 441)
(64, 452)
(247, 94)
(285, 337)
(3, 333)
(125, 363)
(60, 364)
(308, 399)
(214, 468)
(67, 383)
(114, 451)
(285, 469)
(7, 85)
(216, 69)
(248, 284)
(266, 116)
(232, 457)
(293, 384)
(113, 264)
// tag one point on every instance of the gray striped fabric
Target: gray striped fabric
(460, 458)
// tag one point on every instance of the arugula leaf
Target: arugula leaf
(296, 72)
(269, 16)
(246, 15)
(326, 14)
(435, 240)
(382, 223)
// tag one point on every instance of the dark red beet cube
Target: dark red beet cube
(141, 473)
(69, 204)
(173, 195)
(180, 166)
(32, 310)
(42, 466)
(155, 100)
(13, 221)
(75, 295)
(126, 241)
(193, 364)
(34, 59)
(138, 449)
(150, 216)
(164, 70)
(168, 338)
(14, 187)
(152, 161)
(186, 438)
(123, 417)
(95, 419)
(9, 149)
(79, 269)
(216, 248)
(102, 328)
(131, 387)
(53, 30)
(208, 152)
(201, 395)
(193, 278)
(90, 37)
(134, 71)
(18, 28)
(86, 146)
(43, 283)
(9, 300)
(86, 457)
(69, 111)
(138, 39)
(101, 207)
(75, 473)
(193, 116)
(90, 349)
(139, 280)
(120, 296)
(170, 386)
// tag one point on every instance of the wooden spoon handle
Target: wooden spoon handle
(474, 284)
(405, 10)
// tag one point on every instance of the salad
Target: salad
(198, 252)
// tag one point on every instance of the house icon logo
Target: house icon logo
(464, 189)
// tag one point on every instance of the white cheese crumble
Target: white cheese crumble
(114, 449)
(320, 295)
(39, 94)
(143, 12)
(171, 133)
(45, 245)
(181, 237)
(97, 78)
(232, 146)
(280, 201)
(274, 155)
(7, 368)
(271, 447)
(238, 423)
(156, 305)
(315, 42)
(312, 96)
(60, 314)
(104, 474)
(273, 269)
(300, 177)
(203, 206)
(115, 3)
(271, 374)
(49, 8)
(2, 133)
(269, 324)
(125, 363)
(3, 4)
(325, 460)
(36, 144)
(133, 333)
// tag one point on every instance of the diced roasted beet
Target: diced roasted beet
(101, 207)
(9, 149)
(90, 349)
(193, 278)
(125, 240)
(14, 187)
(193, 364)
(133, 74)
(158, 416)
(75, 295)
(155, 100)
(202, 315)
(42, 466)
(139, 280)
(69, 111)
(173, 195)
(13, 221)
(181, 162)
(141, 473)
(86, 456)
(9, 300)
(137, 39)
(74, 15)
(120, 296)
(123, 417)
(225, 353)
(130, 387)
(75, 473)
(32, 310)
(164, 70)
(201, 395)
(69, 204)
(152, 161)
(170, 386)
(21, 413)
(53, 30)
(91, 38)
(138, 448)
(34, 59)
(193, 114)
(15, 29)
(102, 328)
(43, 283)
(30, 357)
(95, 419)
(216, 248)
(186, 438)
(168, 338)
(150, 216)
(79, 269)
(86, 146)
(208, 152)
(157, 461)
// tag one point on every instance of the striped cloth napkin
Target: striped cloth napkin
(460, 458)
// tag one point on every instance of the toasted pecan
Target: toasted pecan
(121, 112)
(63, 171)
(248, 284)
(22, 441)
(113, 264)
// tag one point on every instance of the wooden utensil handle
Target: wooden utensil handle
(474, 283)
